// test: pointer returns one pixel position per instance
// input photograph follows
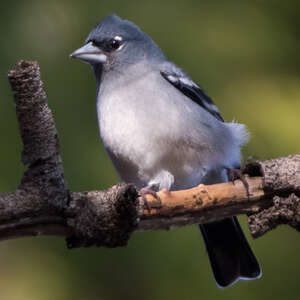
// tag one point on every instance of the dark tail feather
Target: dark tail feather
(230, 255)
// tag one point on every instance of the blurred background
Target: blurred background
(245, 54)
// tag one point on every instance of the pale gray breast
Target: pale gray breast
(147, 125)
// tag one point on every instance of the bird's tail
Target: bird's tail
(230, 255)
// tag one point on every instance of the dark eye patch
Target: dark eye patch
(95, 42)
(108, 45)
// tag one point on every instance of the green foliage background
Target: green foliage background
(244, 53)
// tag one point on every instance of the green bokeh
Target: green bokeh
(244, 53)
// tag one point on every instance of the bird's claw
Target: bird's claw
(235, 174)
(148, 191)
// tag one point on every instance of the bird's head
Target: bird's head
(115, 43)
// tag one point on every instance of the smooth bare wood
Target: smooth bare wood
(202, 204)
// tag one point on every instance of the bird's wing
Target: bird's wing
(183, 83)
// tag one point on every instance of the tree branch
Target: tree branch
(43, 205)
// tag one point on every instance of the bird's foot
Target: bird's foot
(235, 174)
(148, 190)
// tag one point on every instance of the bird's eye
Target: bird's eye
(115, 44)
(109, 45)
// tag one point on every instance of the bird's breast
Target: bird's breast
(146, 130)
(131, 123)
(143, 133)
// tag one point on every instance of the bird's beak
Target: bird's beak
(90, 54)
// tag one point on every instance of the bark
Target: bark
(43, 205)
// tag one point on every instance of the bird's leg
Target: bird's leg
(149, 189)
(235, 174)
(162, 180)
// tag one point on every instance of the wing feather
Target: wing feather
(182, 82)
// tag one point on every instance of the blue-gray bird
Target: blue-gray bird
(162, 131)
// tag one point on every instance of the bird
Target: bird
(162, 131)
